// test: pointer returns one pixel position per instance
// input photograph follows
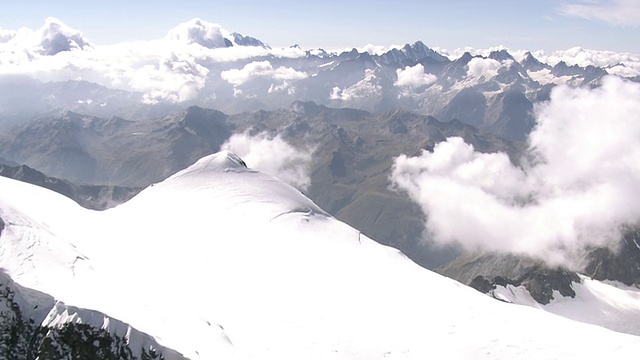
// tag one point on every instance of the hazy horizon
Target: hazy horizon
(547, 25)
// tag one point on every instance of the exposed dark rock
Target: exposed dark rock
(541, 281)
(481, 284)
(623, 265)
(485, 272)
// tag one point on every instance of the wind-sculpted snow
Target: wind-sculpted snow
(222, 261)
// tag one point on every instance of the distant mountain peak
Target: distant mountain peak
(414, 52)
(501, 55)
(530, 63)
(465, 58)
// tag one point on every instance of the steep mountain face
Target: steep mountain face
(257, 270)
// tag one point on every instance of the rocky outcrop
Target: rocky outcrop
(35, 326)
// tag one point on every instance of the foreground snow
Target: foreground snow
(612, 305)
(220, 261)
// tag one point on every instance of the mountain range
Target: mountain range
(210, 67)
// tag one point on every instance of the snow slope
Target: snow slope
(610, 304)
(220, 261)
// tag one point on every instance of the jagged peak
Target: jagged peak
(501, 55)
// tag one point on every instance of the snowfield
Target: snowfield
(223, 262)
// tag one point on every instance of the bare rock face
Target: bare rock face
(623, 265)
(540, 285)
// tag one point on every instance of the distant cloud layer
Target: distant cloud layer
(578, 185)
(260, 69)
(614, 12)
(274, 156)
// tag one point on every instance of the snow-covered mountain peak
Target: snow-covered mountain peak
(220, 161)
(501, 55)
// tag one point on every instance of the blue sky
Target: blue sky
(517, 24)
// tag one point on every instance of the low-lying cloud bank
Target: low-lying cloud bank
(274, 156)
(577, 186)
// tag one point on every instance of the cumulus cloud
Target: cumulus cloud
(614, 12)
(274, 156)
(478, 67)
(414, 76)
(577, 186)
(52, 38)
(55, 37)
(258, 69)
(201, 32)
(173, 69)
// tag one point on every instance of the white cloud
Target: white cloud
(200, 32)
(578, 187)
(52, 38)
(171, 69)
(478, 67)
(258, 69)
(414, 76)
(614, 12)
(274, 156)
